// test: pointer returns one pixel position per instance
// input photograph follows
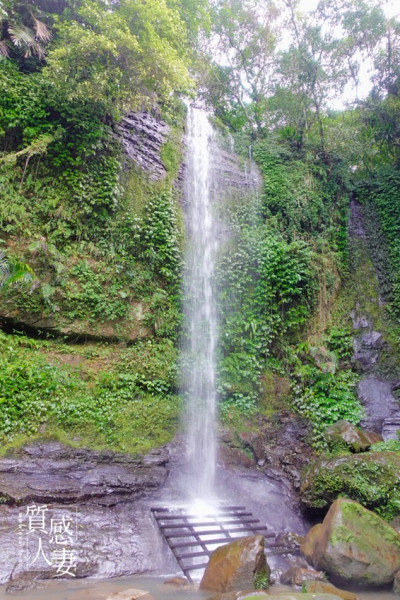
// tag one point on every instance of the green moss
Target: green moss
(370, 526)
(370, 479)
(171, 154)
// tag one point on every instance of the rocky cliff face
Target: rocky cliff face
(372, 353)
(142, 137)
(97, 493)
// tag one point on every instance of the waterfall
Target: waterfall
(200, 315)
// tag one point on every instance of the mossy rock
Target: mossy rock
(355, 546)
(371, 478)
(237, 566)
(343, 433)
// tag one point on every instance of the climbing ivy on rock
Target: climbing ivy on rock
(266, 293)
(381, 197)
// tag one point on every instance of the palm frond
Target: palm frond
(14, 272)
(4, 268)
(34, 49)
(21, 35)
(4, 51)
(20, 274)
(43, 33)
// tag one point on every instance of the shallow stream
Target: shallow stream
(89, 589)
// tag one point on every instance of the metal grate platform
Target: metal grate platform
(192, 539)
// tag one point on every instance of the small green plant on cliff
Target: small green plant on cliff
(261, 580)
(324, 398)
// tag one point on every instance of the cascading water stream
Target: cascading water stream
(200, 315)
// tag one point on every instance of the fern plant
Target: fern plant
(14, 272)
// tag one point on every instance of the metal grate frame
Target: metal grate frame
(191, 538)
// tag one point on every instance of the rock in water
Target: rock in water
(323, 587)
(243, 595)
(235, 566)
(354, 545)
(130, 594)
(298, 575)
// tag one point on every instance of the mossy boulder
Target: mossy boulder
(371, 478)
(346, 435)
(237, 566)
(353, 545)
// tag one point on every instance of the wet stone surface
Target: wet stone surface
(95, 497)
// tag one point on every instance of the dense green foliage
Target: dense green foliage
(122, 398)
(101, 243)
(281, 262)
(265, 294)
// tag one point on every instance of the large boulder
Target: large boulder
(237, 566)
(343, 433)
(354, 476)
(354, 545)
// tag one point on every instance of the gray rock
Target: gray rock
(379, 402)
(345, 433)
(390, 427)
(372, 339)
(359, 321)
(98, 493)
(142, 137)
(296, 575)
(51, 472)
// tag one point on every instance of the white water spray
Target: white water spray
(199, 373)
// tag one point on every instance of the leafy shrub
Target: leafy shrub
(388, 446)
(266, 292)
(326, 397)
